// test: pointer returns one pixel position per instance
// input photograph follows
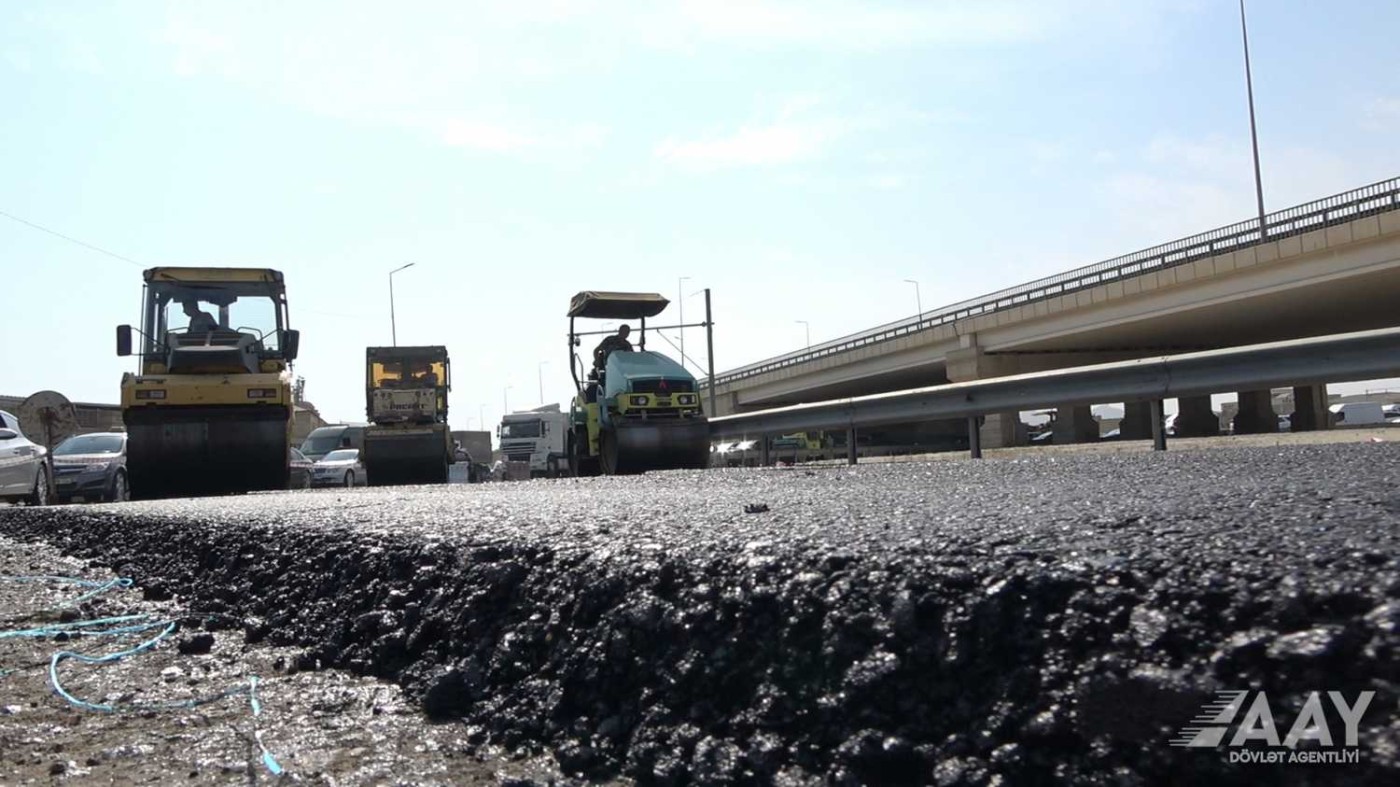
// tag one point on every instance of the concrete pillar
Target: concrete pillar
(1195, 418)
(1137, 421)
(1256, 414)
(1309, 409)
(969, 363)
(1075, 424)
(1003, 430)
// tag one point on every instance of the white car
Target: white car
(341, 467)
(25, 475)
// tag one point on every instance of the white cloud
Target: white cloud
(781, 143)
(1382, 114)
(845, 25)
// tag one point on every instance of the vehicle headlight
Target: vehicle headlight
(638, 401)
(685, 399)
(96, 467)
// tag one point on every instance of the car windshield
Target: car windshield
(521, 429)
(91, 444)
(343, 455)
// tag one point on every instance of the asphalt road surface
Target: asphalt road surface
(1052, 619)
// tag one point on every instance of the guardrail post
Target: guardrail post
(974, 437)
(851, 446)
(1159, 428)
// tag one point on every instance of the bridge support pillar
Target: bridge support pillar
(851, 456)
(1075, 424)
(1137, 421)
(1309, 409)
(1003, 430)
(765, 454)
(1195, 418)
(1256, 413)
(968, 363)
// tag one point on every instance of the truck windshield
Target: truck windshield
(519, 429)
(407, 374)
(318, 443)
(248, 308)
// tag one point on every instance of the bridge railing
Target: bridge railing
(1337, 209)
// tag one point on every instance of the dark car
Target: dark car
(91, 468)
(300, 477)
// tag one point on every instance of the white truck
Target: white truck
(1358, 414)
(536, 437)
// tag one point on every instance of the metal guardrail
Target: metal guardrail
(1366, 355)
(1337, 209)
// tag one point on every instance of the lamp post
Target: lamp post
(680, 303)
(540, 373)
(1253, 131)
(918, 299)
(393, 326)
(505, 400)
(808, 326)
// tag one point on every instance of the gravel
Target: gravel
(1043, 620)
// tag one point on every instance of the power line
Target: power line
(97, 249)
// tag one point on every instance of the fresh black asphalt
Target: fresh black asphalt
(1053, 619)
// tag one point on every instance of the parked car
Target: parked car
(341, 467)
(91, 468)
(25, 474)
(300, 476)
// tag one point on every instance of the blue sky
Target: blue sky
(800, 158)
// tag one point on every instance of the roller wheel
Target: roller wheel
(580, 464)
(607, 452)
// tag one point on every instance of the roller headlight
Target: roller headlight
(638, 401)
(685, 399)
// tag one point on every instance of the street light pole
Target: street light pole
(1253, 129)
(808, 326)
(540, 373)
(505, 400)
(918, 299)
(393, 325)
(680, 303)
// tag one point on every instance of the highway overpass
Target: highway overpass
(1328, 266)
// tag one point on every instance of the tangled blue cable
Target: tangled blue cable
(124, 625)
(98, 588)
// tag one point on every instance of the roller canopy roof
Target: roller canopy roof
(616, 305)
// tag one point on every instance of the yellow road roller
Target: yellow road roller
(210, 411)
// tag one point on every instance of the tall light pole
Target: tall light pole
(393, 326)
(505, 400)
(1253, 129)
(808, 326)
(680, 303)
(540, 373)
(918, 299)
(481, 416)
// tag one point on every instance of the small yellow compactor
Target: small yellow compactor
(210, 411)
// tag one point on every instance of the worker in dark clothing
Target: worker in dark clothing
(200, 321)
(608, 346)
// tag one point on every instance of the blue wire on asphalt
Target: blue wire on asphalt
(137, 624)
(98, 587)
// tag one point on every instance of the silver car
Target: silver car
(24, 466)
(341, 467)
(91, 468)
